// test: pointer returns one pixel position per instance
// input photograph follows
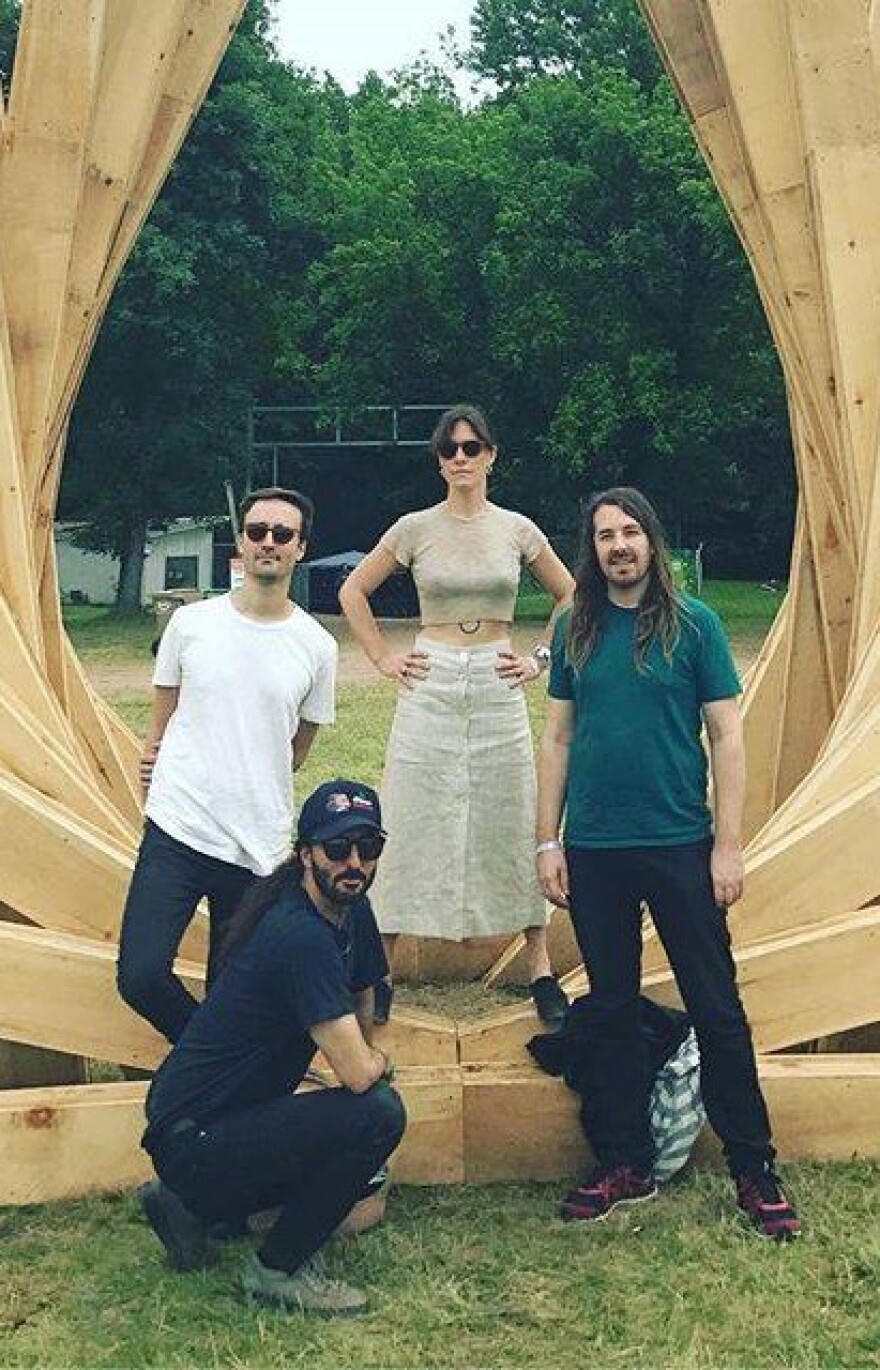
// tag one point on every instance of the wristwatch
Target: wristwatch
(541, 654)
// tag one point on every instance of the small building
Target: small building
(189, 554)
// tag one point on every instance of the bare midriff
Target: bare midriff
(473, 633)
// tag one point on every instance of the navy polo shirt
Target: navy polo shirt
(250, 1040)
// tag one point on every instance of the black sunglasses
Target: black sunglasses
(281, 533)
(472, 447)
(369, 846)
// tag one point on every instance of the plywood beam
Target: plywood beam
(59, 991)
(514, 1124)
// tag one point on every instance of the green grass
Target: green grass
(473, 1277)
(100, 634)
(745, 606)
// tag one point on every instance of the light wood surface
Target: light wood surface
(475, 1124)
(783, 97)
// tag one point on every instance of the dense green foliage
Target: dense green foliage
(556, 252)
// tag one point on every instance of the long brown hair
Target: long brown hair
(659, 611)
(256, 902)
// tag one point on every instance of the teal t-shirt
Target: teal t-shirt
(637, 768)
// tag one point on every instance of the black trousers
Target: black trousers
(309, 1154)
(169, 880)
(607, 887)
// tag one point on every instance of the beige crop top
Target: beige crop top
(465, 568)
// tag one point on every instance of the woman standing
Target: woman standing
(459, 785)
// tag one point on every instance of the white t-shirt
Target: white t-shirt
(222, 780)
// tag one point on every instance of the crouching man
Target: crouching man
(226, 1134)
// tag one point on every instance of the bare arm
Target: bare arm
(165, 701)
(725, 732)
(363, 1008)
(356, 1064)
(302, 742)
(552, 775)
(366, 577)
(555, 577)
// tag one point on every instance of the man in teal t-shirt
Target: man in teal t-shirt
(636, 672)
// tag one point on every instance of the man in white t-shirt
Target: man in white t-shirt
(241, 684)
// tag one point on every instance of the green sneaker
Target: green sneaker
(308, 1290)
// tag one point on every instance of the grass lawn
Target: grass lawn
(470, 1277)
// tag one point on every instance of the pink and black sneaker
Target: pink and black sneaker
(762, 1199)
(605, 1188)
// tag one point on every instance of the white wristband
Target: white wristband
(552, 845)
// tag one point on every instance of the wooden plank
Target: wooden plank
(827, 969)
(40, 177)
(136, 52)
(845, 186)
(70, 1141)
(113, 770)
(823, 1108)
(17, 571)
(519, 1124)
(67, 1142)
(433, 1146)
(437, 960)
(41, 762)
(59, 991)
(203, 35)
(806, 984)
(64, 874)
(500, 1035)
(512, 968)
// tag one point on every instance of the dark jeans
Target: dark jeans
(309, 1154)
(607, 888)
(169, 880)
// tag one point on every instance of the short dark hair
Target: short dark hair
(294, 497)
(461, 413)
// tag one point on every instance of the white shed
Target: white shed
(179, 557)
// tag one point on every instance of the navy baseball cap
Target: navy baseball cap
(337, 807)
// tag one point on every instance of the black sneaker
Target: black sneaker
(185, 1237)
(762, 1199)
(606, 1188)
(383, 993)
(550, 1001)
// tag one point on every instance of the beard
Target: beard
(332, 888)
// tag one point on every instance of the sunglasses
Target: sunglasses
(368, 845)
(471, 448)
(281, 533)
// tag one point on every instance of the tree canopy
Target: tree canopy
(556, 252)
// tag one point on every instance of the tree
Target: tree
(191, 331)
(517, 40)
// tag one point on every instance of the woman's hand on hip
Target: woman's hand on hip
(517, 670)
(404, 667)
(553, 876)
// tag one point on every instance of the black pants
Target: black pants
(309, 1154)
(169, 880)
(606, 889)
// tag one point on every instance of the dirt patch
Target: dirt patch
(133, 676)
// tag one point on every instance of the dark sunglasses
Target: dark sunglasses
(369, 846)
(281, 533)
(471, 448)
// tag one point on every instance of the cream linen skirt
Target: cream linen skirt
(458, 803)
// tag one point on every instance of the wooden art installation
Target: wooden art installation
(784, 99)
